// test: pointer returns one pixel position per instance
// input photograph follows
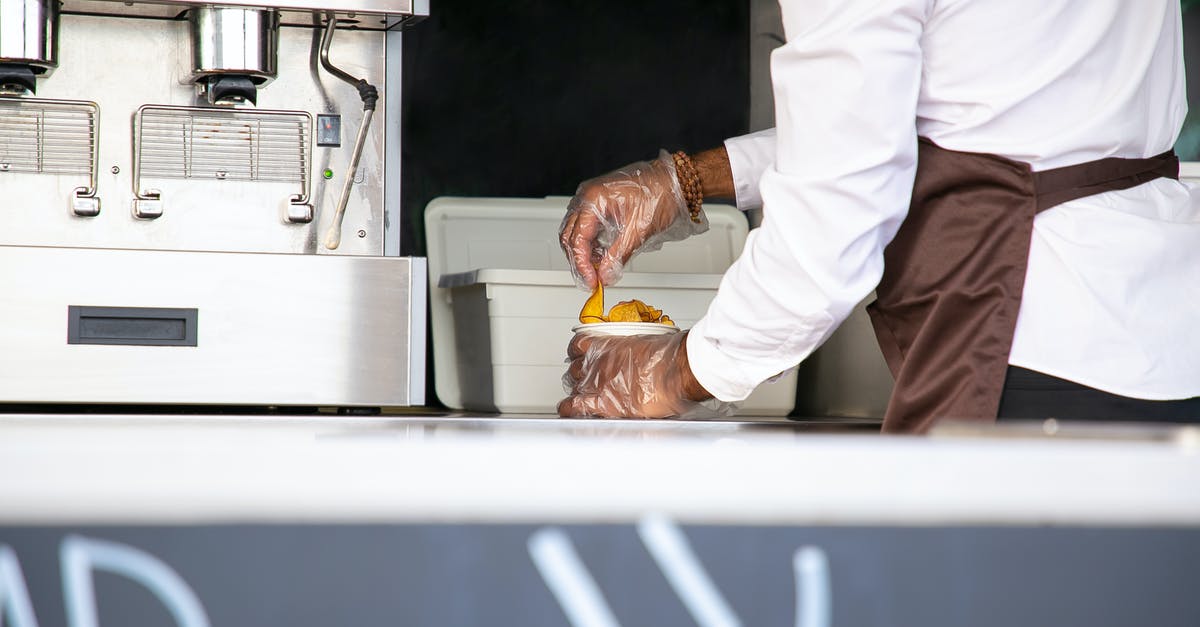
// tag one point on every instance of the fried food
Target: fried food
(624, 311)
(593, 309)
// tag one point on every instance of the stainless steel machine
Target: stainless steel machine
(199, 204)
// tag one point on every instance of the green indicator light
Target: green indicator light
(327, 173)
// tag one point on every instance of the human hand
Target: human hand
(614, 216)
(638, 376)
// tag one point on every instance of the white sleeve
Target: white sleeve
(750, 156)
(846, 85)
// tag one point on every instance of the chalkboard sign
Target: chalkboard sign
(652, 573)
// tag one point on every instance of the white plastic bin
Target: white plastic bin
(503, 302)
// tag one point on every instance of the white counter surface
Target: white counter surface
(227, 469)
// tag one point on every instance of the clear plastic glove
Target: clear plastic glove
(615, 216)
(638, 376)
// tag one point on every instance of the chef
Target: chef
(1000, 173)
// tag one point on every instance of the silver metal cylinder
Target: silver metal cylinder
(29, 34)
(233, 41)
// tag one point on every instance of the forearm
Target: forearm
(692, 389)
(746, 158)
(716, 176)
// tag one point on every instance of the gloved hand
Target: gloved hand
(638, 376)
(615, 216)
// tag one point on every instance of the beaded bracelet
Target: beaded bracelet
(689, 183)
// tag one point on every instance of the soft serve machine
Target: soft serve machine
(199, 204)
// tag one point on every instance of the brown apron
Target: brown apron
(947, 304)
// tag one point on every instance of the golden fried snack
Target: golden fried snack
(593, 309)
(627, 311)
(624, 311)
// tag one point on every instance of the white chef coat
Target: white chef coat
(1112, 293)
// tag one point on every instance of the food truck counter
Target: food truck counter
(537, 521)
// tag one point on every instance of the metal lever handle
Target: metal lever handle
(333, 237)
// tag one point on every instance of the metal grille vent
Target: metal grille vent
(48, 136)
(199, 143)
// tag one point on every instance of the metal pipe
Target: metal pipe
(326, 41)
(333, 237)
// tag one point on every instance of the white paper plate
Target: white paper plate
(625, 328)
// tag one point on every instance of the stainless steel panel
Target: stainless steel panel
(391, 155)
(369, 14)
(418, 306)
(29, 33)
(273, 329)
(227, 40)
(202, 215)
(379, 7)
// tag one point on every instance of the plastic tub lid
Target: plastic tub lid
(559, 278)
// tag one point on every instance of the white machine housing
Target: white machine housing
(156, 247)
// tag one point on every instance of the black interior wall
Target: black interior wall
(1188, 146)
(529, 97)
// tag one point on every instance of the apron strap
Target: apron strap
(1060, 185)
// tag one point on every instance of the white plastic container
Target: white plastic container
(503, 303)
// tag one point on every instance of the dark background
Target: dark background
(530, 97)
(1188, 146)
